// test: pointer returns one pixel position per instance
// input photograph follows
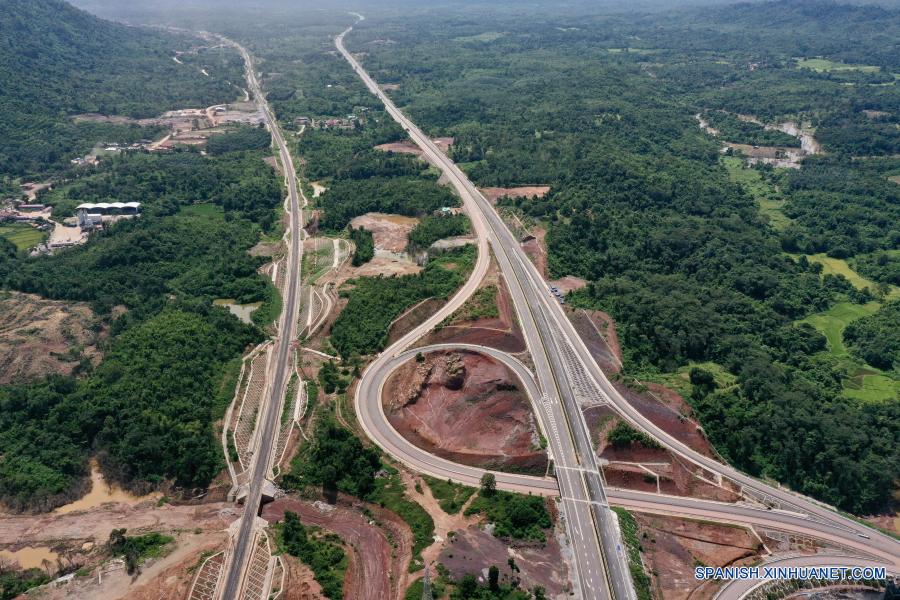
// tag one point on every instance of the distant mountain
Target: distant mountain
(852, 33)
(57, 60)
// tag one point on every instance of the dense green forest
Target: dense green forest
(147, 410)
(406, 196)
(239, 182)
(364, 244)
(437, 227)
(601, 108)
(241, 138)
(57, 61)
(876, 339)
(374, 302)
(149, 406)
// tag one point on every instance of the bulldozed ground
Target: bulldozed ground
(464, 544)
(487, 319)
(673, 547)
(78, 540)
(466, 407)
(378, 546)
(39, 337)
(389, 232)
(407, 147)
(526, 191)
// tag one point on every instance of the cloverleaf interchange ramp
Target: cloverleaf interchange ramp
(561, 358)
(563, 370)
(600, 561)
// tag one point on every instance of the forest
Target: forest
(147, 410)
(58, 61)
(601, 108)
(374, 302)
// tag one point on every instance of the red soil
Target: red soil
(598, 330)
(536, 249)
(472, 550)
(406, 147)
(673, 547)
(664, 407)
(368, 574)
(299, 581)
(501, 332)
(637, 467)
(468, 408)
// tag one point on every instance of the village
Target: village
(28, 222)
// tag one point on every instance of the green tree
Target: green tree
(488, 484)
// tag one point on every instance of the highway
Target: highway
(600, 558)
(270, 414)
(740, 588)
(567, 373)
(372, 412)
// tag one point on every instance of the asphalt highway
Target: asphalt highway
(601, 563)
(567, 374)
(269, 417)
(372, 412)
(739, 588)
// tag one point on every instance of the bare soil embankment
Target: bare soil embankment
(371, 552)
(39, 337)
(674, 547)
(498, 328)
(468, 408)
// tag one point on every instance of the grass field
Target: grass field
(22, 235)
(839, 266)
(833, 321)
(824, 65)
(870, 386)
(867, 384)
(680, 380)
(767, 197)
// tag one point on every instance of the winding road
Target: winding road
(600, 557)
(566, 376)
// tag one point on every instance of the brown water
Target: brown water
(31, 558)
(101, 493)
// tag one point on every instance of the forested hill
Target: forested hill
(57, 61)
(852, 33)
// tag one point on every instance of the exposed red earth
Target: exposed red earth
(500, 332)
(371, 556)
(407, 147)
(473, 550)
(389, 232)
(673, 547)
(468, 408)
(665, 407)
(598, 330)
(636, 467)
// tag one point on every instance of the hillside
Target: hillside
(57, 61)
